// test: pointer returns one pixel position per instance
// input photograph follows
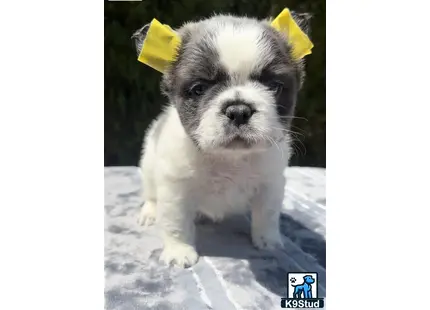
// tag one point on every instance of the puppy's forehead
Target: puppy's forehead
(240, 46)
(242, 49)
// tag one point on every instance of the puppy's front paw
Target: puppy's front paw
(267, 241)
(148, 214)
(180, 254)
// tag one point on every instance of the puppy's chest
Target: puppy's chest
(227, 188)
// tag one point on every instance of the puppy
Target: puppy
(221, 145)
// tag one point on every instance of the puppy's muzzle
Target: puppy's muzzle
(238, 113)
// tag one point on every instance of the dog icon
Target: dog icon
(304, 289)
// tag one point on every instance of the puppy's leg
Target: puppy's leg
(176, 220)
(266, 209)
(148, 212)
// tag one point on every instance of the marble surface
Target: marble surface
(230, 274)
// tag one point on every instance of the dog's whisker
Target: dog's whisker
(288, 116)
(273, 142)
(302, 144)
(295, 137)
(288, 131)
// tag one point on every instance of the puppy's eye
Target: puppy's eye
(198, 89)
(275, 86)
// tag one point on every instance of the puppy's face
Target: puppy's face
(234, 84)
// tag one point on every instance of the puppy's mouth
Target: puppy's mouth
(239, 143)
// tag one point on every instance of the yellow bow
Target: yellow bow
(161, 42)
(298, 40)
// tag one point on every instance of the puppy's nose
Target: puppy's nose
(239, 114)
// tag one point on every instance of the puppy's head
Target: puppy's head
(234, 82)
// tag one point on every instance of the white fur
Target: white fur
(180, 181)
(240, 49)
(238, 44)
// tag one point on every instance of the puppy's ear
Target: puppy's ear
(139, 37)
(303, 20)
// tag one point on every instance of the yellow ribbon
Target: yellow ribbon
(298, 40)
(160, 46)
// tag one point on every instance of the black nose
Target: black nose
(239, 114)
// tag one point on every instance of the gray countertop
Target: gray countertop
(231, 273)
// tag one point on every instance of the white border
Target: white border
(51, 157)
(378, 155)
(51, 174)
